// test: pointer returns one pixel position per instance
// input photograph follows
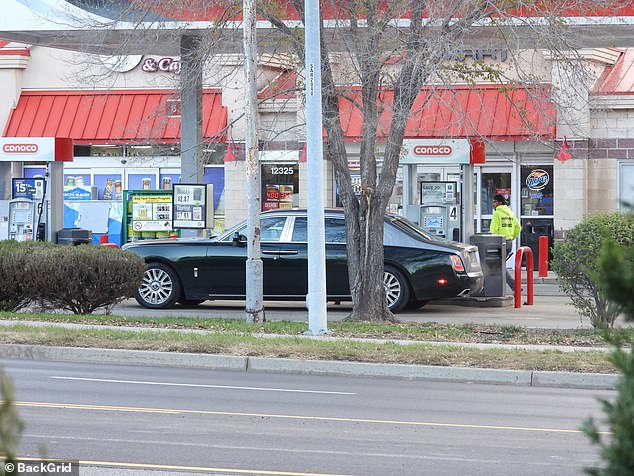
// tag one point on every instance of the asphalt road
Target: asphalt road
(219, 422)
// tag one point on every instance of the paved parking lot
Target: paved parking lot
(546, 312)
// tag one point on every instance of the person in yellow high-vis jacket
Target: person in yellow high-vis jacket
(505, 223)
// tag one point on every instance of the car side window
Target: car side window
(300, 230)
(335, 230)
(271, 228)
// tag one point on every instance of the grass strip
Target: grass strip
(429, 331)
(417, 353)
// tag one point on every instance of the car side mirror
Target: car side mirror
(239, 239)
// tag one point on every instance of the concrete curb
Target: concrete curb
(543, 378)
(125, 357)
(397, 371)
(311, 367)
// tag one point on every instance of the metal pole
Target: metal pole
(254, 311)
(316, 299)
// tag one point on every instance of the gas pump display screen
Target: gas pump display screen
(21, 216)
(433, 222)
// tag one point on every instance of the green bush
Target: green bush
(15, 263)
(616, 275)
(84, 278)
(10, 426)
(575, 260)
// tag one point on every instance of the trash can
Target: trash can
(74, 236)
(492, 250)
(532, 229)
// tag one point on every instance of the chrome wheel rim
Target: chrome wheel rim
(157, 286)
(392, 288)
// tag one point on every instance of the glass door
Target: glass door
(491, 181)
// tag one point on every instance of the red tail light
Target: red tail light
(442, 281)
(456, 262)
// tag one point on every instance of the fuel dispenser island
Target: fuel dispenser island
(444, 209)
(25, 214)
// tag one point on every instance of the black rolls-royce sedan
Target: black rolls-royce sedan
(418, 268)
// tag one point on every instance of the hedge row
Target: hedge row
(79, 279)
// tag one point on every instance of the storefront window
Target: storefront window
(626, 186)
(280, 185)
(493, 183)
(537, 190)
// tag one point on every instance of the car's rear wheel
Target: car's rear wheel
(396, 288)
(160, 287)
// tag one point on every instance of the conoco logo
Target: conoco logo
(20, 148)
(432, 150)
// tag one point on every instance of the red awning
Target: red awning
(463, 111)
(117, 116)
(619, 78)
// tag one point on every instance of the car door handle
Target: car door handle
(264, 252)
(288, 252)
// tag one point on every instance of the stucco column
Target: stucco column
(191, 115)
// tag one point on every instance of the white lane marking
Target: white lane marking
(227, 387)
(447, 456)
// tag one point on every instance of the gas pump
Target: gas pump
(439, 212)
(22, 219)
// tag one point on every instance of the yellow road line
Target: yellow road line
(75, 406)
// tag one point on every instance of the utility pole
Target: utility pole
(316, 299)
(254, 311)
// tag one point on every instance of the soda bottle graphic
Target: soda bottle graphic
(107, 191)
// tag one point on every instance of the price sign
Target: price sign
(190, 206)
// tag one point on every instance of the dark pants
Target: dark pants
(510, 274)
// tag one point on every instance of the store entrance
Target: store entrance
(492, 181)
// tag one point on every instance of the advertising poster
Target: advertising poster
(190, 206)
(109, 186)
(166, 180)
(30, 188)
(151, 213)
(142, 181)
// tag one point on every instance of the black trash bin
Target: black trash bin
(74, 236)
(492, 250)
(532, 229)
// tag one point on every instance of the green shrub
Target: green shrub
(84, 278)
(616, 275)
(10, 426)
(575, 260)
(15, 263)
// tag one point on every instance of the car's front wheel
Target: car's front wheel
(396, 288)
(160, 287)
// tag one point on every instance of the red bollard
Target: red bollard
(542, 260)
(103, 239)
(519, 255)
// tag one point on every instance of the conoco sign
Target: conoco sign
(443, 150)
(20, 148)
(36, 149)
